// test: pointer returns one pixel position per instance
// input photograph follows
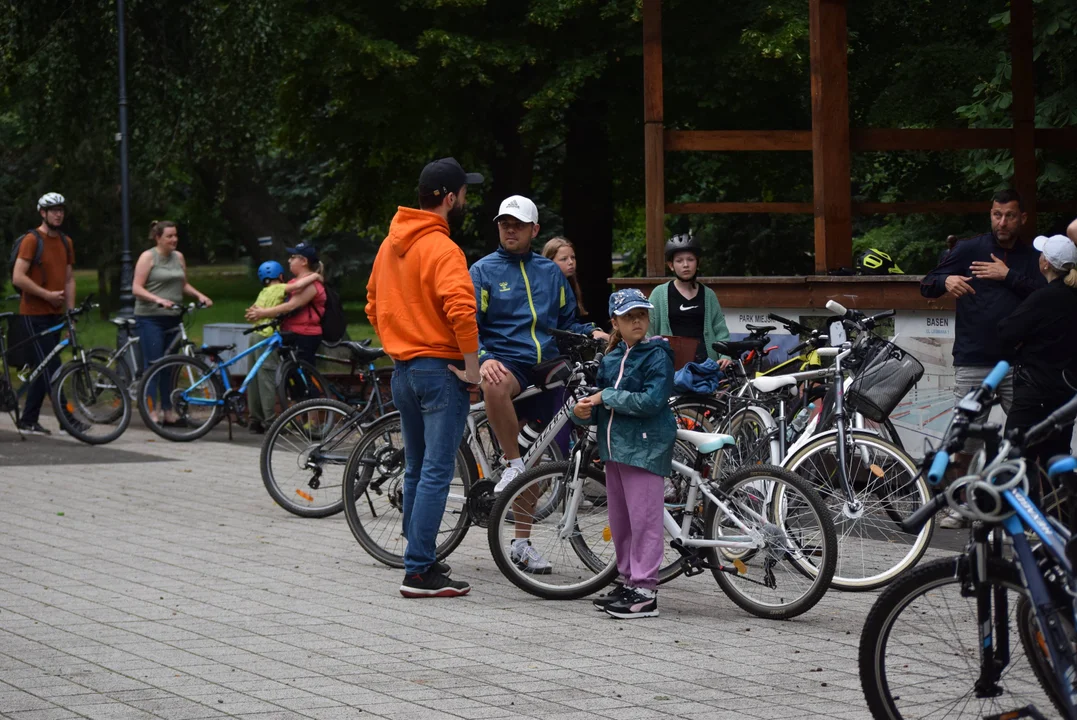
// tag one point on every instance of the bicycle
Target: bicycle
(126, 360)
(201, 394)
(764, 533)
(90, 401)
(373, 487)
(1016, 574)
(310, 442)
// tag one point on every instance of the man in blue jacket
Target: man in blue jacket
(989, 275)
(520, 294)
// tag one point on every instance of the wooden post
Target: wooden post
(653, 138)
(830, 135)
(1023, 86)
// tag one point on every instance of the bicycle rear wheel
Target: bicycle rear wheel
(192, 390)
(91, 402)
(299, 381)
(579, 559)
(374, 494)
(872, 548)
(104, 356)
(791, 519)
(920, 647)
(304, 455)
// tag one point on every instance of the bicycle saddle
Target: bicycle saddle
(121, 321)
(706, 443)
(360, 352)
(216, 350)
(735, 348)
(759, 328)
(770, 383)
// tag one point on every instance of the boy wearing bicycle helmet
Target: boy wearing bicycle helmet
(262, 393)
(684, 307)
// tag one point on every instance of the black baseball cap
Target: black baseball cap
(444, 176)
(306, 250)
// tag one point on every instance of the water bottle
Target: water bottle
(528, 434)
(800, 421)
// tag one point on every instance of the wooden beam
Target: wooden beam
(876, 293)
(737, 140)
(1023, 86)
(1056, 138)
(944, 207)
(830, 134)
(705, 208)
(878, 139)
(654, 159)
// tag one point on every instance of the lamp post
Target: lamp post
(127, 299)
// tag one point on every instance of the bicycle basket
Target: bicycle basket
(886, 376)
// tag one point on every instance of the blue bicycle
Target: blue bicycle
(201, 394)
(939, 642)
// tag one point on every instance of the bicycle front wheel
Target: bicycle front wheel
(374, 494)
(186, 387)
(792, 569)
(304, 454)
(567, 551)
(872, 547)
(104, 356)
(91, 402)
(920, 646)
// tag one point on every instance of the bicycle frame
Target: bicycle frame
(267, 346)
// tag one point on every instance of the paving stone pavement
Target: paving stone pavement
(175, 588)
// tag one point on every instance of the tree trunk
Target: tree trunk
(587, 202)
(512, 165)
(252, 213)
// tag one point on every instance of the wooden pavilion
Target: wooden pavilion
(831, 142)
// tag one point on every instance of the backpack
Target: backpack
(37, 254)
(332, 319)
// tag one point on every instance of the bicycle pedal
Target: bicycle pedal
(690, 568)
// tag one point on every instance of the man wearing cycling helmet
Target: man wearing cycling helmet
(685, 308)
(42, 273)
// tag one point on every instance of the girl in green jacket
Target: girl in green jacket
(636, 432)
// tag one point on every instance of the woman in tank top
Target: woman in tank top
(159, 285)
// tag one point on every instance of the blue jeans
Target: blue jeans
(154, 334)
(433, 406)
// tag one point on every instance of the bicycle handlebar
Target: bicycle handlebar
(914, 522)
(1054, 422)
(791, 325)
(271, 325)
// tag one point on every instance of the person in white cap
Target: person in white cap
(520, 295)
(1042, 337)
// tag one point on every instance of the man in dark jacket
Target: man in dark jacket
(989, 275)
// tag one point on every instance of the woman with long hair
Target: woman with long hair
(563, 252)
(159, 284)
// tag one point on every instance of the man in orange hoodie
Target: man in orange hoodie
(421, 302)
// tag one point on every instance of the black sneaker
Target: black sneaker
(31, 428)
(431, 584)
(638, 603)
(441, 568)
(603, 601)
(77, 424)
(256, 428)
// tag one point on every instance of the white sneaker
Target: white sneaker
(508, 475)
(528, 558)
(952, 521)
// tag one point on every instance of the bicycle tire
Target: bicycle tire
(777, 511)
(1032, 641)
(172, 370)
(702, 413)
(580, 564)
(104, 356)
(913, 596)
(299, 381)
(294, 456)
(376, 461)
(92, 385)
(863, 538)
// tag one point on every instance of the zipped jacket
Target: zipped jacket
(519, 297)
(635, 423)
(976, 341)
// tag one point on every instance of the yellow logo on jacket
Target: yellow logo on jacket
(504, 286)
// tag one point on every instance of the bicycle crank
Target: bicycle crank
(480, 501)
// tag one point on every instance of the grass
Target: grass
(232, 290)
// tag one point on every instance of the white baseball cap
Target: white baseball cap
(519, 207)
(1059, 251)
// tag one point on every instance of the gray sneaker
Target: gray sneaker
(952, 521)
